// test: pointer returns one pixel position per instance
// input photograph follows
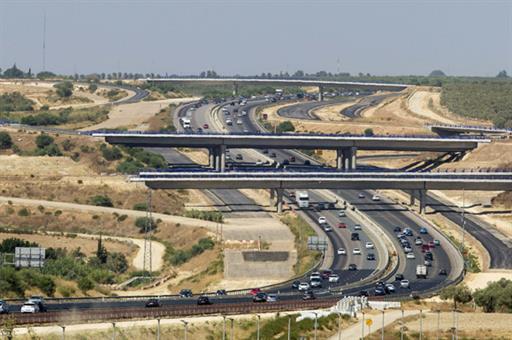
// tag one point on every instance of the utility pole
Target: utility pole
(148, 265)
(44, 41)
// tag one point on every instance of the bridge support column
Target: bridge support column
(235, 89)
(222, 156)
(272, 197)
(349, 158)
(279, 196)
(211, 156)
(423, 201)
(353, 161)
(339, 159)
(412, 198)
(320, 93)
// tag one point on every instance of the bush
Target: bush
(9, 244)
(140, 206)
(111, 154)
(214, 216)
(66, 291)
(178, 257)
(15, 101)
(44, 140)
(44, 118)
(85, 284)
(50, 150)
(24, 212)
(101, 201)
(496, 297)
(5, 140)
(130, 166)
(285, 126)
(64, 89)
(368, 132)
(67, 145)
(143, 222)
(92, 88)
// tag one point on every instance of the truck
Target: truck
(186, 123)
(302, 198)
(421, 271)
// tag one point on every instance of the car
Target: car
(308, 295)
(375, 198)
(397, 229)
(315, 275)
(443, 272)
(429, 256)
(334, 278)
(423, 231)
(221, 292)
(364, 293)
(352, 266)
(185, 293)
(342, 213)
(425, 248)
(408, 232)
(315, 283)
(354, 237)
(239, 157)
(360, 195)
(254, 291)
(356, 251)
(4, 307)
(292, 159)
(437, 242)
(259, 162)
(295, 284)
(399, 277)
(260, 297)
(370, 257)
(244, 113)
(327, 228)
(390, 287)
(427, 263)
(418, 241)
(431, 244)
(29, 307)
(229, 122)
(239, 122)
(153, 302)
(410, 256)
(407, 249)
(357, 227)
(273, 155)
(39, 301)
(205, 126)
(322, 220)
(342, 251)
(342, 225)
(325, 274)
(272, 297)
(303, 286)
(203, 300)
(379, 291)
(307, 162)
(199, 130)
(265, 151)
(369, 245)
(404, 284)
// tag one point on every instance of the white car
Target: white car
(418, 242)
(404, 284)
(376, 198)
(239, 122)
(357, 227)
(342, 213)
(334, 278)
(29, 307)
(360, 195)
(369, 245)
(244, 113)
(356, 251)
(327, 228)
(259, 162)
(407, 250)
(303, 286)
(322, 220)
(342, 251)
(314, 276)
(410, 256)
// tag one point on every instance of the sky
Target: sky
(249, 37)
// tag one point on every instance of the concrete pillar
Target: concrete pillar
(339, 159)
(222, 156)
(211, 156)
(347, 158)
(423, 201)
(216, 153)
(353, 154)
(272, 197)
(235, 89)
(412, 199)
(320, 93)
(279, 197)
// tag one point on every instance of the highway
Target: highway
(304, 110)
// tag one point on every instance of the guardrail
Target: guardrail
(470, 127)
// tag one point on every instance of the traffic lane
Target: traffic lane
(303, 110)
(356, 109)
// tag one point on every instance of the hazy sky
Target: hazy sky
(250, 37)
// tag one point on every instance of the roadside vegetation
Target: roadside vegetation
(213, 216)
(15, 101)
(301, 230)
(177, 257)
(162, 121)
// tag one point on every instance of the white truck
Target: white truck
(302, 198)
(421, 271)
(186, 123)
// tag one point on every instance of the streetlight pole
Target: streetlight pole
(258, 327)
(339, 326)
(316, 325)
(289, 327)
(362, 327)
(421, 324)
(438, 319)
(224, 327)
(232, 328)
(402, 326)
(463, 216)
(63, 332)
(382, 330)
(113, 331)
(185, 325)
(158, 329)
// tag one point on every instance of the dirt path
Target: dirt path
(418, 103)
(135, 114)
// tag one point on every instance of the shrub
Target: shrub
(15, 101)
(130, 166)
(85, 284)
(51, 150)
(368, 132)
(44, 140)
(67, 145)
(64, 89)
(144, 222)
(110, 154)
(24, 212)
(66, 291)
(285, 126)
(214, 216)
(9, 244)
(101, 201)
(140, 206)
(92, 88)
(5, 140)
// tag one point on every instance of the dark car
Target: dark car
(429, 256)
(260, 297)
(399, 277)
(364, 293)
(443, 272)
(352, 266)
(354, 236)
(153, 303)
(307, 162)
(185, 293)
(295, 284)
(397, 229)
(308, 295)
(273, 155)
(4, 307)
(239, 157)
(292, 159)
(203, 300)
(325, 274)
(39, 301)
(265, 151)
(221, 292)
(370, 257)
(379, 291)
(286, 162)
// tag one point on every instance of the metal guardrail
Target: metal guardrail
(470, 127)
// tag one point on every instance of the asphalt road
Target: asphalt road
(303, 110)
(355, 110)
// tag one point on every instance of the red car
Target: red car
(206, 126)
(425, 248)
(431, 244)
(325, 274)
(254, 291)
(342, 225)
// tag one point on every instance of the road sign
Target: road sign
(317, 243)
(369, 322)
(29, 257)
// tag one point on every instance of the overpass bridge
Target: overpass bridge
(277, 181)
(346, 146)
(321, 84)
(451, 130)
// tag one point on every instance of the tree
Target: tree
(14, 72)
(298, 74)
(459, 294)
(64, 89)
(93, 88)
(101, 252)
(45, 75)
(44, 140)
(285, 126)
(5, 140)
(144, 223)
(437, 73)
(368, 132)
(117, 263)
(502, 74)
(101, 201)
